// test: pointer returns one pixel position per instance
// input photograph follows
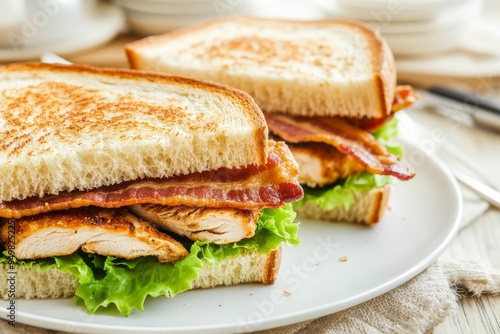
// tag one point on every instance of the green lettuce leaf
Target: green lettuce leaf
(127, 283)
(105, 281)
(386, 133)
(342, 193)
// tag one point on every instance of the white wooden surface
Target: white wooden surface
(479, 240)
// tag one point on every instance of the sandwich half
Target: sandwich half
(118, 184)
(327, 88)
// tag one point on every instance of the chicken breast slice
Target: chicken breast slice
(322, 164)
(219, 226)
(108, 232)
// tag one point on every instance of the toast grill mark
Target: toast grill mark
(69, 113)
(253, 50)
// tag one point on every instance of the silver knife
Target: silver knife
(485, 112)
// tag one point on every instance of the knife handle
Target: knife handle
(487, 119)
(470, 99)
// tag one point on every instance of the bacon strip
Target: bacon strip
(254, 187)
(404, 96)
(348, 139)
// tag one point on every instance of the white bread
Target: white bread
(248, 267)
(33, 283)
(78, 127)
(309, 68)
(367, 208)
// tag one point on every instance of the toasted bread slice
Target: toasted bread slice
(248, 267)
(67, 128)
(367, 208)
(307, 68)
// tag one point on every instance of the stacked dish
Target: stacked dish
(29, 28)
(411, 27)
(151, 17)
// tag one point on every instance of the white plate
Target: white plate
(423, 217)
(100, 28)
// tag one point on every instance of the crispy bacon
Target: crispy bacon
(404, 96)
(348, 139)
(253, 187)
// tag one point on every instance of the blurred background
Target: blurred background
(450, 42)
(449, 37)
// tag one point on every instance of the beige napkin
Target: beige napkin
(469, 276)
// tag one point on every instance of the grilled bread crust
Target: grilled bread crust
(248, 267)
(78, 127)
(307, 68)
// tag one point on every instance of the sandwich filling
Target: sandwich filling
(126, 234)
(125, 283)
(339, 157)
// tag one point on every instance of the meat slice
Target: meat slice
(348, 139)
(322, 164)
(219, 226)
(108, 232)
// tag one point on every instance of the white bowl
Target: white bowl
(400, 10)
(155, 24)
(425, 43)
(441, 31)
(151, 6)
